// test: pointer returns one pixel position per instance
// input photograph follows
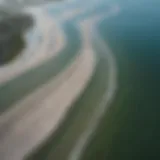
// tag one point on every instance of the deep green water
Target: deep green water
(131, 128)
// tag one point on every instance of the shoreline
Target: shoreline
(85, 70)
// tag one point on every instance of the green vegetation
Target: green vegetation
(10, 49)
(11, 36)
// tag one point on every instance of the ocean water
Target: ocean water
(130, 129)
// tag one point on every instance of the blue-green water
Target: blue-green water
(131, 128)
